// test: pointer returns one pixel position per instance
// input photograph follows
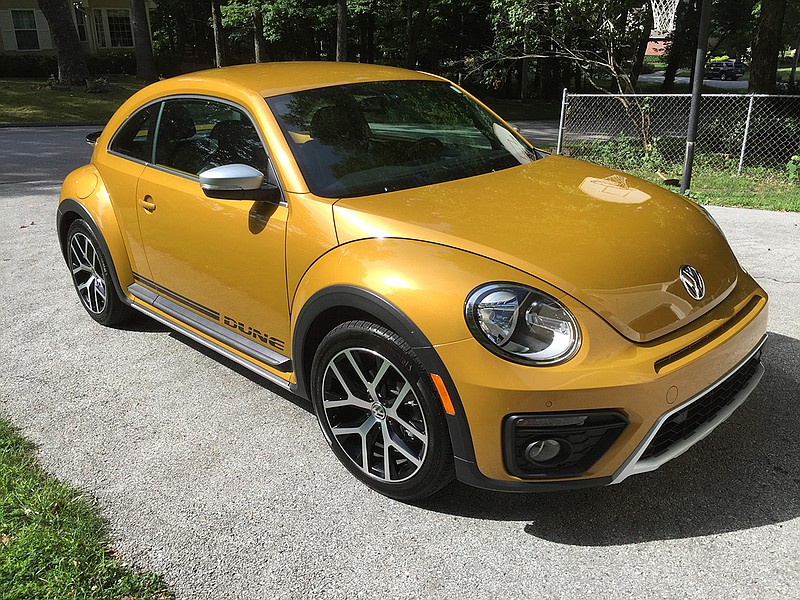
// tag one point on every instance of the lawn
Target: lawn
(52, 543)
(29, 101)
(754, 189)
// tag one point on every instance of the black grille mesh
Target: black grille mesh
(685, 422)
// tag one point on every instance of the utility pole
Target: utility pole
(697, 93)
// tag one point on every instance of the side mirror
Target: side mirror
(237, 182)
(91, 138)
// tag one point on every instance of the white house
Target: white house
(102, 25)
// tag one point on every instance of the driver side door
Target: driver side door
(218, 264)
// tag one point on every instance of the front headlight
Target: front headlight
(522, 324)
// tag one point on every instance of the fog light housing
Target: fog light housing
(548, 445)
(548, 450)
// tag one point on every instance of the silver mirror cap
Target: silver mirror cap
(231, 178)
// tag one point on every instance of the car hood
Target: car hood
(616, 244)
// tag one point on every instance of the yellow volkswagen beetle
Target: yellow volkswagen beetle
(454, 302)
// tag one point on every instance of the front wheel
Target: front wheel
(91, 276)
(379, 411)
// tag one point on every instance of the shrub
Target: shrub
(793, 169)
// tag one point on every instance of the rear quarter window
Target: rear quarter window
(134, 138)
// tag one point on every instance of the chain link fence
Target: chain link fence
(634, 131)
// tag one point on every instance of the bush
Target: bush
(43, 66)
(108, 63)
(28, 65)
(793, 169)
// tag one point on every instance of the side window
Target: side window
(195, 135)
(135, 137)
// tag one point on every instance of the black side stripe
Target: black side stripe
(204, 310)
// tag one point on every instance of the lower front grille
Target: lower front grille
(682, 424)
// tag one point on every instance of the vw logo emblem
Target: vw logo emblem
(693, 282)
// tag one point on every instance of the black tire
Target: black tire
(348, 359)
(90, 275)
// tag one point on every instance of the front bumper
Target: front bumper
(665, 442)
(652, 386)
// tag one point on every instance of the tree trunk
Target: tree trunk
(642, 49)
(216, 25)
(766, 45)
(143, 46)
(523, 74)
(682, 37)
(341, 30)
(72, 68)
(794, 64)
(371, 34)
(411, 50)
(259, 42)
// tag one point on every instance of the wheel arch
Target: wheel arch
(337, 304)
(69, 211)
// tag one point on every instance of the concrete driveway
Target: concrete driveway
(223, 483)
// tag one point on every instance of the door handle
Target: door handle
(147, 204)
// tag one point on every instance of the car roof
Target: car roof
(274, 79)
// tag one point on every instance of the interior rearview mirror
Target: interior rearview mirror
(237, 182)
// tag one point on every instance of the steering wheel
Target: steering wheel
(424, 147)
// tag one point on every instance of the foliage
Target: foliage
(52, 543)
(622, 153)
(793, 169)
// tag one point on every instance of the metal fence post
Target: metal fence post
(746, 132)
(561, 121)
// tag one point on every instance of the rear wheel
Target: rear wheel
(91, 276)
(379, 411)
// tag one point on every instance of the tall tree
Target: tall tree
(143, 45)
(682, 43)
(72, 68)
(341, 30)
(216, 25)
(766, 45)
(259, 43)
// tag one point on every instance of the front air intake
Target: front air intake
(546, 445)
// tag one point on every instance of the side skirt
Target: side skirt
(189, 321)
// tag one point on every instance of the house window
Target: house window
(99, 29)
(25, 29)
(81, 23)
(119, 27)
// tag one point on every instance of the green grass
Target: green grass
(754, 189)
(29, 101)
(52, 543)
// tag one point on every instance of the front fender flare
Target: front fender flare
(64, 216)
(354, 297)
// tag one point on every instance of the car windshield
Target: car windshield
(367, 138)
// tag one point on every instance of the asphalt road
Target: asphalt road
(224, 485)
(658, 77)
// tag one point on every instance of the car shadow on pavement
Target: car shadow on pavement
(142, 323)
(245, 372)
(745, 474)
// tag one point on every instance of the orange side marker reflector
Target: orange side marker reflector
(447, 403)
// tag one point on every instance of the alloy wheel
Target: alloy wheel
(87, 271)
(374, 414)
